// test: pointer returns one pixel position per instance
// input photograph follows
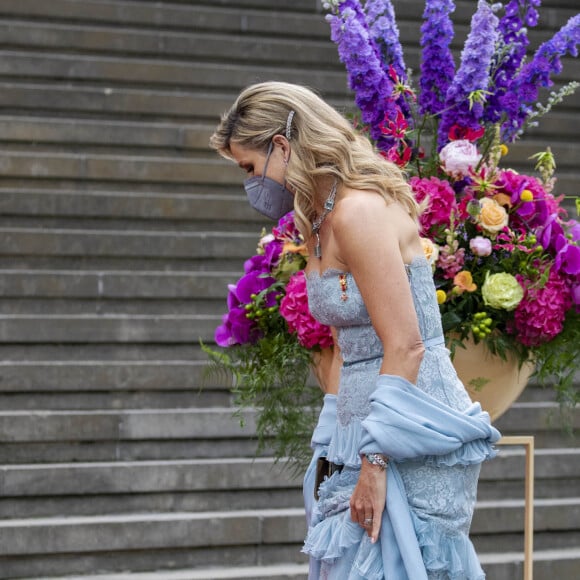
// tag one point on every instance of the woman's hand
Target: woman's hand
(368, 499)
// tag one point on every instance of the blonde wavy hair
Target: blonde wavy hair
(323, 145)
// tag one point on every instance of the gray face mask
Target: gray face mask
(267, 196)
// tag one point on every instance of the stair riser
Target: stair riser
(115, 285)
(42, 567)
(108, 400)
(99, 263)
(16, 453)
(165, 329)
(199, 531)
(156, 245)
(120, 426)
(148, 14)
(194, 306)
(126, 376)
(139, 503)
(169, 45)
(117, 206)
(123, 168)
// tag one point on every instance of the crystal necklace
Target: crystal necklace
(328, 207)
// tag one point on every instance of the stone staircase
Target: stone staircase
(119, 231)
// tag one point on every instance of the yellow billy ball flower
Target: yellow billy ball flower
(441, 296)
(503, 149)
(526, 195)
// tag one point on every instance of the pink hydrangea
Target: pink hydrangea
(294, 309)
(441, 202)
(540, 316)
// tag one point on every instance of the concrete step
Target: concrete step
(276, 571)
(44, 436)
(548, 564)
(107, 328)
(119, 168)
(135, 264)
(84, 376)
(228, 15)
(110, 400)
(160, 73)
(115, 284)
(158, 43)
(169, 103)
(272, 527)
(84, 132)
(235, 17)
(124, 425)
(42, 490)
(127, 244)
(147, 486)
(115, 205)
(544, 421)
(104, 307)
(169, 541)
(102, 353)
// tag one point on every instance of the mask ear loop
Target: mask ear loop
(270, 148)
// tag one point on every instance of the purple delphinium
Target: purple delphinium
(437, 65)
(473, 74)
(523, 92)
(372, 86)
(380, 17)
(518, 17)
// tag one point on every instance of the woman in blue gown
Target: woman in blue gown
(399, 443)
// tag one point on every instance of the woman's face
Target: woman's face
(253, 161)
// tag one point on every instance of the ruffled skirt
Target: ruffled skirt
(441, 501)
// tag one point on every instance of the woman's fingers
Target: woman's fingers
(368, 500)
(375, 528)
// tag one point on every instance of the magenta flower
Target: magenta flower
(294, 309)
(441, 204)
(530, 214)
(540, 315)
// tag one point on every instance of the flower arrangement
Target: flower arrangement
(271, 337)
(505, 256)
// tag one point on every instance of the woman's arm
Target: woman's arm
(373, 239)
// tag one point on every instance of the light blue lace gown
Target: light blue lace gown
(441, 494)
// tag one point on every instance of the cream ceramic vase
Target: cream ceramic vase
(492, 381)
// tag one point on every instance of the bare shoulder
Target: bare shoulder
(366, 209)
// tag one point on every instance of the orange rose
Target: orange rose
(464, 282)
(492, 217)
(503, 199)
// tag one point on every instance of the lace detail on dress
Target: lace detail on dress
(441, 493)
(425, 298)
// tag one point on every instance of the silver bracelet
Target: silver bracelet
(377, 459)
